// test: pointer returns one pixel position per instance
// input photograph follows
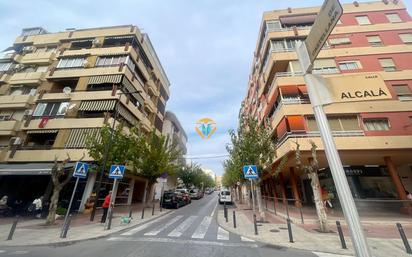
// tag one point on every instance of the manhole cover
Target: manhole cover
(274, 230)
(283, 228)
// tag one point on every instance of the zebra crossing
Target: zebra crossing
(186, 227)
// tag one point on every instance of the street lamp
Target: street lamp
(106, 151)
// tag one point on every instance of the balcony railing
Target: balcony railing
(306, 134)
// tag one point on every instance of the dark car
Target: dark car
(185, 194)
(172, 199)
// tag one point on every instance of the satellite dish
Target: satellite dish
(67, 90)
(71, 106)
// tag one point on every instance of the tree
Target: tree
(60, 177)
(193, 175)
(251, 144)
(312, 171)
(151, 155)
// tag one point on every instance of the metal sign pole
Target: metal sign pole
(68, 208)
(253, 195)
(111, 205)
(161, 195)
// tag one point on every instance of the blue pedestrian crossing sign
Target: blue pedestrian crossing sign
(117, 171)
(250, 172)
(80, 170)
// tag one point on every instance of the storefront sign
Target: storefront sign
(354, 88)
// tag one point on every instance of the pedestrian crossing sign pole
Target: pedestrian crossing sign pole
(250, 172)
(116, 172)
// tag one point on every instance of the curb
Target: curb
(74, 241)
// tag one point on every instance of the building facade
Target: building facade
(369, 50)
(59, 88)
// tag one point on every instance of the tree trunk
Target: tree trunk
(51, 217)
(259, 203)
(239, 192)
(149, 196)
(320, 207)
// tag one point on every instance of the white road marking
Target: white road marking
(2, 251)
(202, 228)
(222, 234)
(161, 227)
(180, 241)
(245, 239)
(144, 226)
(213, 212)
(19, 252)
(179, 230)
(330, 255)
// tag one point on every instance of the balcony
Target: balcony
(27, 78)
(66, 123)
(16, 101)
(47, 155)
(146, 125)
(150, 105)
(9, 127)
(4, 78)
(151, 86)
(38, 58)
(85, 72)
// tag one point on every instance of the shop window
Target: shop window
(374, 40)
(387, 64)
(51, 109)
(376, 124)
(393, 17)
(363, 20)
(350, 65)
(406, 38)
(339, 41)
(403, 92)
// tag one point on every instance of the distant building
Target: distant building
(218, 181)
(209, 172)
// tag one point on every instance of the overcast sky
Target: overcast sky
(205, 47)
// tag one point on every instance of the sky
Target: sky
(205, 47)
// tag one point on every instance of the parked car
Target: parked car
(172, 199)
(195, 193)
(225, 196)
(208, 191)
(185, 194)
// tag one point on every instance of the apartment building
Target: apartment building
(370, 50)
(59, 88)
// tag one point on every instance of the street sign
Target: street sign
(116, 171)
(250, 172)
(80, 170)
(329, 15)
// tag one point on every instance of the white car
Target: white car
(225, 196)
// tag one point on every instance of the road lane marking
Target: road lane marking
(144, 226)
(181, 241)
(245, 239)
(330, 255)
(2, 251)
(179, 230)
(202, 228)
(213, 212)
(162, 227)
(19, 252)
(222, 234)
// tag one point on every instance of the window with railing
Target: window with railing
(71, 62)
(5, 66)
(115, 60)
(336, 123)
(82, 44)
(51, 109)
(350, 65)
(22, 90)
(40, 140)
(376, 124)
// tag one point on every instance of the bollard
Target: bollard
(13, 228)
(130, 212)
(143, 213)
(153, 208)
(66, 226)
(290, 230)
(254, 224)
(301, 214)
(404, 239)
(266, 202)
(341, 237)
(274, 204)
(287, 209)
(226, 214)
(234, 219)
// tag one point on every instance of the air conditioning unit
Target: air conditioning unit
(15, 141)
(28, 112)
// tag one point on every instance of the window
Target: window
(5, 66)
(42, 68)
(363, 20)
(5, 115)
(393, 17)
(403, 92)
(374, 40)
(406, 38)
(111, 60)
(81, 44)
(51, 109)
(325, 66)
(343, 123)
(350, 65)
(273, 25)
(379, 124)
(75, 62)
(339, 41)
(387, 64)
(22, 90)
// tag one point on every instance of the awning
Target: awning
(29, 168)
(115, 79)
(130, 88)
(102, 105)
(302, 89)
(296, 123)
(126, 114)
(289, 90)
(78, 137)
(42, 131)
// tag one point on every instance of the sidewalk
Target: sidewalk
(34, 232)
(275, 232)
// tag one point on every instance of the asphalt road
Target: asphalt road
(190, 231)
